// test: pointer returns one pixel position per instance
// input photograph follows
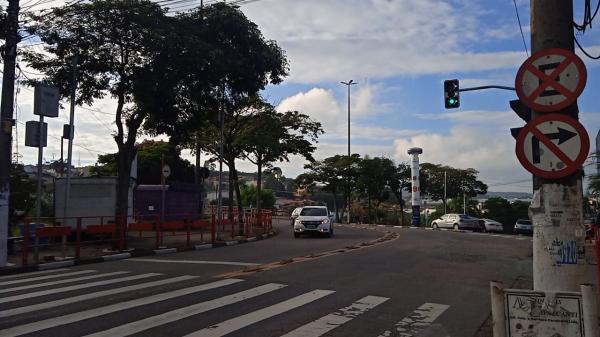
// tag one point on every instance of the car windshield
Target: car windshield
(524, 222)
(314, 212)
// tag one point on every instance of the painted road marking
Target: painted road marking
(195, 262)
(53, 304)
(181, 313)
(417, 321)
(33, 273)
(334, 320)
(75, 287)
(234, 324)
(79, 316)
(31, 279)
(52, 283)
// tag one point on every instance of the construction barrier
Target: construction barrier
(104, 234)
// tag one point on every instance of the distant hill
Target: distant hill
(506, 195)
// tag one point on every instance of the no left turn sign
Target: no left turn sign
(553, 146)
(551, 80)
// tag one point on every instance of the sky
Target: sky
(399, 52)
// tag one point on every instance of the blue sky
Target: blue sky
(400, 52)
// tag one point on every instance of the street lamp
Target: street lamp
(348, 84)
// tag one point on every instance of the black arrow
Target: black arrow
(562, 135)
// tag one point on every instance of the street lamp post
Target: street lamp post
(348, 84)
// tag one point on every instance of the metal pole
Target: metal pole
(445, 198)
(6, 121)
(349, 163)
(162, 184)
(62, 159)
(71, 136)
(38, 204)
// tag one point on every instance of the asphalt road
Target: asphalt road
(414, 283)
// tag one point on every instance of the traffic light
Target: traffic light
(451, 94)
(523, 111)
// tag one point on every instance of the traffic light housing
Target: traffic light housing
(523, 111)
(451, 94)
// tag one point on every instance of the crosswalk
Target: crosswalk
(89, 303)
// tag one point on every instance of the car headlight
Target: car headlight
(326, 221)
(298, 222)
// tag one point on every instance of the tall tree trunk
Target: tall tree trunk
(197, 168)
(125, 159)
(401, 208)
(230, 196)
(238, 197)
(258, 181)
(337, 214)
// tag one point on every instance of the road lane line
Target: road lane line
(181, 313)
(7, 277)
(68, 300)
(417, 321)
(194, 262)
(52, 283)
(327, 323)
(75, 287)
(40, 278)
(234, 324)
(79, 316)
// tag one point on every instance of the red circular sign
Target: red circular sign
(569, 165)
(550, 80)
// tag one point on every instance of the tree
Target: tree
(458, 181)
(271, 136)
(116, 44)
(507, 214)
(249, 196)
(22, 198)
(333, 174)
(374, 180)
(400, 180)
(594, 184)
(149, 160)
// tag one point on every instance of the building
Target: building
(181, 201)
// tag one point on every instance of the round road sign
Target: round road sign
(166, 171)
(552, 146)
(551, 80)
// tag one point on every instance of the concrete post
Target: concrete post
(590, 310)
(498, 319)
(416, 189)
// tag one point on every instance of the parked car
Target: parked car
(523, 226)
(457, 221)
(295, 214)
(313, 220)
(490, 225)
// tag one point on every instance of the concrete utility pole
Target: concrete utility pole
(9, 55)
(557, 206)
(71, 135)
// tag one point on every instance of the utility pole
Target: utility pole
(9, 55)
(557, 206)
(71, 136)
(445, 200)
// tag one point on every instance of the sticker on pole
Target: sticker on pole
(552, 146)
(551, 80)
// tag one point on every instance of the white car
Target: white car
(295, 214)
(492, 226)
(313, 220)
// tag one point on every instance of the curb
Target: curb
(124, 256)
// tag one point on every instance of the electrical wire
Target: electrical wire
(521, 27)
(585, 51)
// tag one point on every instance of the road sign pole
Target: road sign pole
(556, 233)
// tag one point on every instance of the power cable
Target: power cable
(521, 28)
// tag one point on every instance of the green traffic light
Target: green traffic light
(451, 101)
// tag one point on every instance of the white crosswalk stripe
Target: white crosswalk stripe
(234, 324)
(43, 272)
(53, 283)
(417, 321)
(47, 277)
(99, 294)
(79, 316)
(175, 315)
(75, 287)
(334, 320)
(36, 316)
